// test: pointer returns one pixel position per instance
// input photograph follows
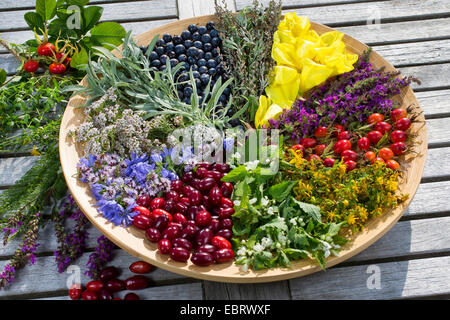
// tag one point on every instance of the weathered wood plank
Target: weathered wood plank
(438, 132)
(408, 238)
(430, 198)
(416, 53)
(120, 12)
(240, 4)
(43, 276)
(437, 165)
(258, 291)
(188, 291)
(434, 103)
(21, 4)
(431, 76)
(410, 31)
(404, 279)
(196, 8)
(367, 13)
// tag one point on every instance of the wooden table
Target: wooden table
(410, 261)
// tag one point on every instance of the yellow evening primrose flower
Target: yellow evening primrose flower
(304, 60)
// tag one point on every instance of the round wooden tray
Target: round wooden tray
(133, 241)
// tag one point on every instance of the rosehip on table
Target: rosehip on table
(386, 154)
(314, 157)
(398, 148)
(344, 135)
(319, 149)
(382, 126)
(321, 132)
(329, 162)
(308, 142)
(398, 136)
(369, 156)
(397, 114)
(31, 66)
(349, 165)
(349, 155)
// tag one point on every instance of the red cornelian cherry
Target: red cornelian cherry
(137, 282)
(131, 296)
(164, 246)
(223, 255)
(94, 285)
(140, 267)
(142, 210)
(75, 291)
(220, 242)
(179, 254)
(202, 259)
(89, 295)
(142, 221)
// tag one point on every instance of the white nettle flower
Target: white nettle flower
(237, 202)
(293, 221)
(244, 267)
(242, 251)
(251, 165)
(258, 247)
(265, 201)
(282, 238)
(266, 242)
(252, 200)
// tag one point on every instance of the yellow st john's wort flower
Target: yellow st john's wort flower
(35, 152)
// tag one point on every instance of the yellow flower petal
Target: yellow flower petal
(313, 74)
(272, 113)
(262, 109)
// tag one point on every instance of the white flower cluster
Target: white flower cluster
(108, 128)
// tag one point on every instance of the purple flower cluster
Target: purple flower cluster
(347, 99)
(116, 183)
(70, 246)
(101, 255)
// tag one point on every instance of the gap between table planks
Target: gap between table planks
(250, 292)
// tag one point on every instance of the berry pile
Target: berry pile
(384, 140)
(197, 48)
(108, 283)
(193, 217)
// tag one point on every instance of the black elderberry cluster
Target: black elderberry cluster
(198, 49)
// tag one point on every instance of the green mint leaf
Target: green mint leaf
(237, 174)
(310, 209)
(282, 190)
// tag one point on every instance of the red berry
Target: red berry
(398, 148)
(298, 147)
(46, 49)
(131, 296)
(223, 255)
(226, 203)
(344, 135)
(374, 136)
(115, 285)
(392, 164)
(383, 127)
(164, 246)
(402, 124)
(397, 114)
(144, 201)
(202, 259)
(203, 218)
(152, 234)
(329, 162)
(75, 291)
(227, 189)
(94, 286)
(364, 143)
(157, 203)
(220, 242)
(374, 118)
(398, 136)
(342, 145)
(57, 68)
(142, 222)
(31, 66)
(140, 267)
(337, 129)
(158, 212)
(308, 142)
(321, 132)
(386, 154)
(89, 295)
(369, 156)
(137, 282)
(377, 159)
(319, 149)
(350, 165)
(179, 254)
(176, 185)
(108, 273)
(142, 210)
(314, 157)
(349, 155)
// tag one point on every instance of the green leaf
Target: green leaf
(79, 59)
(91, 15)
(80, 3)
(108, 33)
(237, 174)
(46, 9)
(282, 190)
(34, 21)
(2, 76)
(310, 209)
(279, 224)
